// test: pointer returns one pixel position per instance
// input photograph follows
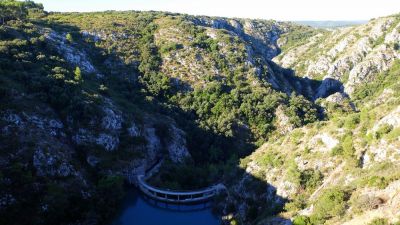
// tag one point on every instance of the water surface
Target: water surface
(140, 210)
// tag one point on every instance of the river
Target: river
(139, 210)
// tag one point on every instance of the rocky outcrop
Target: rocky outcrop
(284, 124)
(52, 162)
(323, 142)
(348, 57)
(176, 146)
(72, 55)
(262, 35)
(110, 128)
(383, 151)
(392, 119)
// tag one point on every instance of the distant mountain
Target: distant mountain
(331, 23)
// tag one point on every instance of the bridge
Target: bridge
(178, 196)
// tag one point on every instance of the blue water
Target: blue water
(139, 210)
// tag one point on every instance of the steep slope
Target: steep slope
(343, 170)
(345, 58)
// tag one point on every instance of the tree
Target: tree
(78, 74)
(69, 38)
(330, 204)
(12, 9)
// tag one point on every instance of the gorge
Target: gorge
(301, 125)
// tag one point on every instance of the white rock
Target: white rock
(109, 142)
(328, 141)
(133, 131)
(393, 119)
(70, 53)
(176, 145)
(112, 119)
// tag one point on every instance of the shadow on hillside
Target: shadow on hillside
(310, 88)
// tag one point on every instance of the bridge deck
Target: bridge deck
(178, 196)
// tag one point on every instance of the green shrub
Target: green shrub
(331, 203)
(396, 46)
(69, 38)
(293, 173)
(78, 74)
(393, 135)
(352, 121)
(379, 221)
(296, 204)
(296, 136)
(347, 144)
(110, 192)
(271, 159)
(337, 150)
(302, 220)
(301, 111)
(382, 130)
(311, 179)
(377, 181)
(170, 47)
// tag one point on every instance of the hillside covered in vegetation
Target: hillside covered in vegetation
(294, 120)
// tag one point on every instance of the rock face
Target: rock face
(347, 57)
(328, 142)
(176, 146)
(110, 128)
(71, 54)
(283, 121)
(50, 163)
(262, 34)
(392, 119)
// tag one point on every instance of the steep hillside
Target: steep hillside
(345, 169)
(344, 59)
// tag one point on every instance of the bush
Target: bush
(379, 221)
(330, 204)
(77, 74)
(396, 46)
(337, 150)
(393, 135)
(293, 173)
(170, 47)
(382, 130)
(311, 179)
(271, 159)
(302, 220)
(365, 202)
(301, 111)
(296, 204)
(69, 38)
(347, 144)
(352, 121)
(377, 181)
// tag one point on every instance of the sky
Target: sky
(261, 9)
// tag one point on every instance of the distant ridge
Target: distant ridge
(331, 23)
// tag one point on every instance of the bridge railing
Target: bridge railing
(178, 196)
